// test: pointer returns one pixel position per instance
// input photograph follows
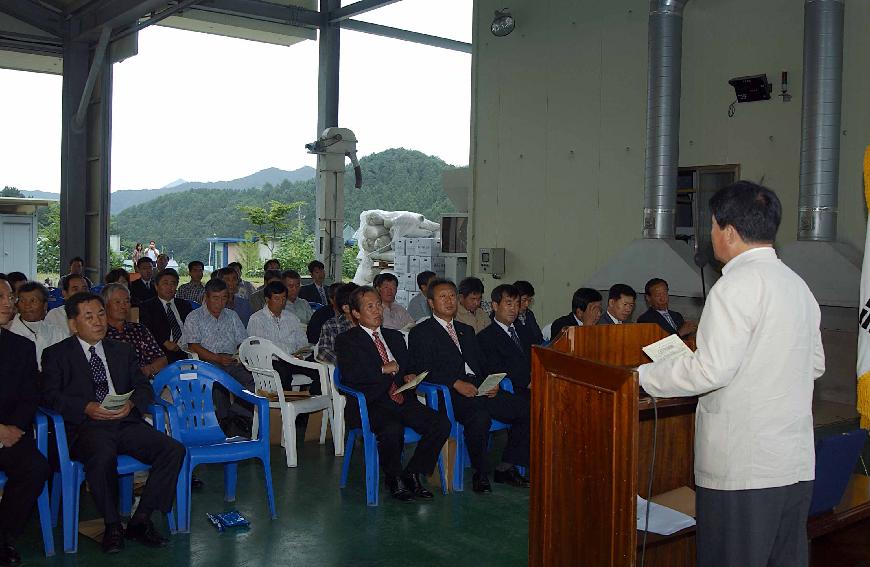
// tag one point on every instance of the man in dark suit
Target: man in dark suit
(315, 291)
(142, 289)
(502, 345)
(620, 304)
(526, 323)
(585, 311)
(450, 352)
(375, 361)
(78, 373)
(656, 293)
(322, 315)
(165, 314)
(25, 468)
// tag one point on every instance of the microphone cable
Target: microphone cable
(652, 466)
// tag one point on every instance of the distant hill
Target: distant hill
(395, 179)
(121, 200)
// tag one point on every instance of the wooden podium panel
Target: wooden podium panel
(592, 447)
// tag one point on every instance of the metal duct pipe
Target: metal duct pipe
(820, 119)
(662, 118)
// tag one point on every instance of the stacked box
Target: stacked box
(438, 265)
(408, 282)
(402, 298)
(400, 264)
(426, 247)
(400, 246)
(414, 265)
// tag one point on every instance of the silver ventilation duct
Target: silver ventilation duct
(820, 119)
(662, 118)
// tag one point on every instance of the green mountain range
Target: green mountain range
(395, 179)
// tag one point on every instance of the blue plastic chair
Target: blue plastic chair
(192, 422)
(97, 288)
(370, 446)
(67, 484)
(55, 300)
(314, 305)
(457, 431)
(42, 503)
(194, 304)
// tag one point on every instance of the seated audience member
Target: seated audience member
(620, 304)
(315, 291)
(502, 346)
(656, 294)
(78, 373)
(76, 267)
(322, 315)
(337, 325)
(165, 315)
(375, 360)
(25, 468)
(526, 323)
(214, 334)
(293, 282)
(469, 310)
(149, 355)
(57, 317)
(235, 302)
(244, 288)
(30, 322)
(162, 262)
(193, 290)
(418, 308)
(450, 351)
(258, 298)
(118, 275)
(585, 311)
(395, 316)
(143, 288)
(272, 264)
(16, 280)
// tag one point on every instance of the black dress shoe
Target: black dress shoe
(9, 555)
(415, 484)
(512, 477)
(196, 482)
(146, 534)
(113, 538)
(480, 483)
(398, 490)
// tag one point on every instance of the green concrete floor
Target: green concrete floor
(320, 525)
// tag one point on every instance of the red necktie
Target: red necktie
(382, 350)
(452, 332)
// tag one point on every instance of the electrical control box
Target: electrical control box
(492, 261)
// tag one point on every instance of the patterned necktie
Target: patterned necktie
(382, 350)
(670, 321)
(98, 374)
(322, 294)
(452, 332)
(515, 337)
(173, 323)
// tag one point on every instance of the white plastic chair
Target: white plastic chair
(338, 403)
(257, 355)
(546, 331)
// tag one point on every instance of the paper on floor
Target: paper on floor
(662, 520)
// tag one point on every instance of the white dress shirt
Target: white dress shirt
(57, 317)
(172, 306)
(759, 352)
(285, 330)
(444, 323)
(102, 354)
(42, 333)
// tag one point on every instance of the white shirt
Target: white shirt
(152, 253)
(612, 318)
(57, 318)
(579, 322)
(444, 323)
(505, 328)
(370, 333)
(172, 306)
(42, 333)
(102, 354)
(759, 352)
(285, 330)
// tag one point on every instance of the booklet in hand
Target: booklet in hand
(413, 383)
(492, 381)
(114, 402)
(669, 347)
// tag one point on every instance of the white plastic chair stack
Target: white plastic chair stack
(257, 355)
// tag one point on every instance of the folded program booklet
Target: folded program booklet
(413, 383)
(114, 402)
(669, 347)
(492, 381)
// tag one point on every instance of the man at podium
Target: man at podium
(759, 352)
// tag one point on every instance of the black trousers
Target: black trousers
(286, 371)
(753, 528)
(26, 472)
(476, 415)
(221, 396)
(98, 445)
(388, 421)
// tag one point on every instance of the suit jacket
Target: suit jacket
(152, 314)
(503, 355)
(432, 349)
(19, 392)
(653, 316)
(361, 363)
(309, 293)
(606, 320)
(565, 321)
(529, 331)
(315, 325)
(140, 293)
(68, 386)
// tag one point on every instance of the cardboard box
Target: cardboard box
(425, 264)
(312, 431)
(427, 247)
(408, 282)
(414, 265)
(400, 246)
(400, 264)
(402, 297)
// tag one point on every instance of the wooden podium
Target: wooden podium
(591, 450)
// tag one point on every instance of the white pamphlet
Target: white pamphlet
(662, 520)
(413, 383)
(669, 347)
(492, 381)
(114, 402)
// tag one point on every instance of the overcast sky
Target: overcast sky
(209, 108)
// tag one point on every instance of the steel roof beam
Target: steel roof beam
(35, 15)
(357, 8)
(405, 35)
(265, 11)
(114, 15)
